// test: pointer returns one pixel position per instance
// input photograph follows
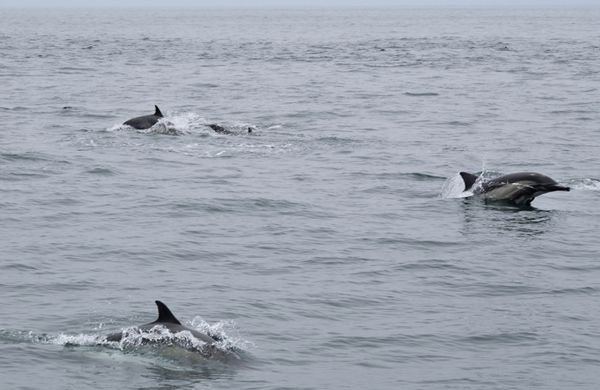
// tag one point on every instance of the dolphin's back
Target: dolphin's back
(529, 178)
(142, 122)
(146, 121)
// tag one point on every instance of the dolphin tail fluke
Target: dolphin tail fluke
(157, 111)
(164, 314)
(469, 179)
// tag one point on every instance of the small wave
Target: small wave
(425, 176)
(334, 140)
(101, 171)
(502, 338)
(419, 94)
(574, 291)
(18, 266)
(585, 184)
(74, 70)
(458, 123)
(92, 115)
(16, 108)
(563, 112)
(205, 85)
(28, 156)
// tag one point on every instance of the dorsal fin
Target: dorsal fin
(157, 111)
(469, 179)
(165, 315)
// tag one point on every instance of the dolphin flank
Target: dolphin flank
(146, 121)
(519, 188)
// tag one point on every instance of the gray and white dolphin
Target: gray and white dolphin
(146, 121)
(519, 188)
(167, 320)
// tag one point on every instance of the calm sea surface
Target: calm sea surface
(330, 246)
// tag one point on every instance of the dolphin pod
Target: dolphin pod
(147, 121)
(519, 188)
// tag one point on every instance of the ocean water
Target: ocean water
(331, 248)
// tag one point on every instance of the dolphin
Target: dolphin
(222, 130)
(219, 128)
(146, 121)
(519, 188)
(167, 320)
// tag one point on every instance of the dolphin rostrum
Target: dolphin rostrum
(146, 121)
(518, 188)
(167, 320)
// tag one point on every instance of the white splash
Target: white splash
(135, 337)
(78, 339)
(187, 122)
(221, 330)
(586, 184)
(454, 187)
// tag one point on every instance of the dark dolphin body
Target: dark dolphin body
(146, 121)
(167, 320)
(518, 188)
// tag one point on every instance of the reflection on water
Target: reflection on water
(188, 377)
(502, 218)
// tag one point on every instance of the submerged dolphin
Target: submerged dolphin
(167, 320)
(222, 130)
(146, 121)
(518, 188)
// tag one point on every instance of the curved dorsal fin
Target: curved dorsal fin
(469, 179)
(157, 111)
(165, 315)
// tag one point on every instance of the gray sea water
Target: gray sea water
(331, 246)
